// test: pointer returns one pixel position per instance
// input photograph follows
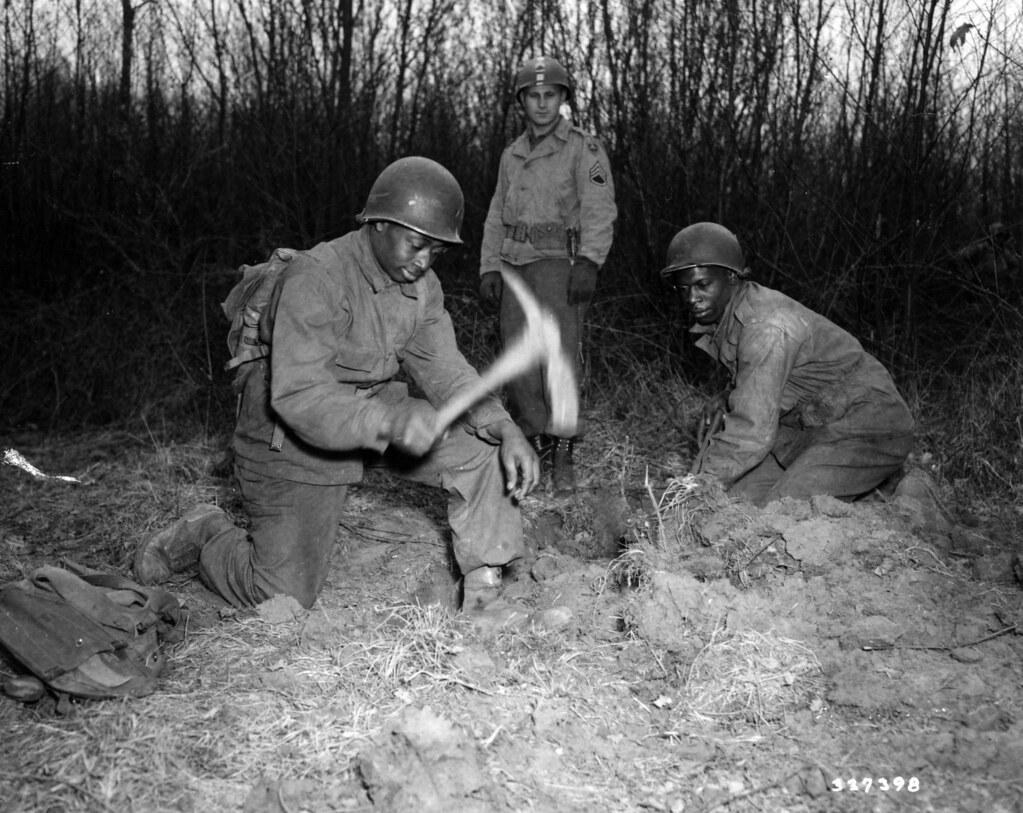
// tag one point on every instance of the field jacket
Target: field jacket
(342, 331)
(562, 184)
(792, 366)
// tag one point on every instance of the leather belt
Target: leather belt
(547, 234)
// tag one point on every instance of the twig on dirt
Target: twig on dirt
(754, 791)
(464, 684)
(280, 799)
(992, 469)
(753, 558)
(944, 568)
(945, 647)
(490, 740)
(656, 659)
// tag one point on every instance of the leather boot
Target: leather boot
(176, 548)
(542, 444)
(483, 605)
(480, 587)
(563, 474)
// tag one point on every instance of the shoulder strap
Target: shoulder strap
(245, 306)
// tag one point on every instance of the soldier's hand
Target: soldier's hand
(519, 460)
(713, 411)
(491, 286)
(582, 281)
(412, 427)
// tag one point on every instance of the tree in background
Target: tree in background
(869, 147)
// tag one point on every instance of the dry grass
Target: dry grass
(751, 677)
(566, 721)
(671, 531)
(245, 701)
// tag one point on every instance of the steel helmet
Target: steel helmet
(705, 244)
(419, 194)
(542, 71)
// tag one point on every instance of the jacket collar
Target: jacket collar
(738, 309)
(371, 270)
(552, 143)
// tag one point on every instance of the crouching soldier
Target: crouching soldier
(809, 410)
(346, 316)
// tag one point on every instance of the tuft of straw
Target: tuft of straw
(752, 677)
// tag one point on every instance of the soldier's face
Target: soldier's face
(404, 254)
(705, 291)
(542, 104)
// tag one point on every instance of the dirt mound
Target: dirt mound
(809, 656)
(421, 761)
(860, 589)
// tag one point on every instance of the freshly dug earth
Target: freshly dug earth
(808, 656)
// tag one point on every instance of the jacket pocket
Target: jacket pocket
(359, 366)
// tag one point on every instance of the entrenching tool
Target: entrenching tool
(539, 343)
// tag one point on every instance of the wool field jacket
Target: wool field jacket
(792, 366)
(563, 183)
(342, 332)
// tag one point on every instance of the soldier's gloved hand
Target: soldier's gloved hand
(582, 281)
(713, 411)
(491, 286)
(411, 427)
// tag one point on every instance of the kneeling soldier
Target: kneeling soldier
(809, 410)
(346, 316)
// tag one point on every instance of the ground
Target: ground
(698, 654)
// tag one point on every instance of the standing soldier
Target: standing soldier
(345, 317)
(551, 222)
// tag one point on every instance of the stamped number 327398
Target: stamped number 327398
(882, 783)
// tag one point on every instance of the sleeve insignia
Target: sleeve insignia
(597, 174)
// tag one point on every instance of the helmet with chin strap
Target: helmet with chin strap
(419, 194)
(542, 71)
(705, 244)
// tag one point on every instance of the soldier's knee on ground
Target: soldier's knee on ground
(304, 590)
(303, 594)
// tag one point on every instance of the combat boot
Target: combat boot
(563, 467)
(542, 444)
(483, 605)
(176, 548)
(480, 587)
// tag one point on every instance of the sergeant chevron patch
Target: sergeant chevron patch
(597, 174)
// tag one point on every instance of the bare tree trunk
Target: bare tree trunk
(345, 71)
(128, 12)
(404, 37)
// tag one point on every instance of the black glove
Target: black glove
(713, 412)
(491, 286)
(582, 281)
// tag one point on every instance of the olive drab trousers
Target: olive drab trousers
(842, 458)
(293, 526)
(528, 401)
